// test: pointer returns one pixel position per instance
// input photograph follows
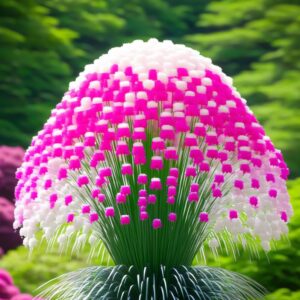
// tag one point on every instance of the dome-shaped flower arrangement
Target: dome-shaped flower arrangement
(154, 154)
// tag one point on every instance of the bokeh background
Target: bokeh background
(45, 43)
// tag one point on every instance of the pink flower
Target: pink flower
(203, 217)
(109, 212)
(125, 219)
(233, 214)
(156, 224)
(172, 217)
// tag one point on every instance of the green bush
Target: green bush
(31, 270)
(284, 294)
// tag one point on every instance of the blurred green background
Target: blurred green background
(45, 43)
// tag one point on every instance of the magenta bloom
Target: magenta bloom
(153, 154)
(156, 224)
(151, 134)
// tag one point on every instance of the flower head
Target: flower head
(154, 136)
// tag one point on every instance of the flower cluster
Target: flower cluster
(152, 134)
(10, 159)
(9, 238)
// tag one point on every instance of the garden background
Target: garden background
(45, 43)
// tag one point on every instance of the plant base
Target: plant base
(122, 282)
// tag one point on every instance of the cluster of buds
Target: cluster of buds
(152, 127)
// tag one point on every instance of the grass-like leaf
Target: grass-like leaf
(122, 282)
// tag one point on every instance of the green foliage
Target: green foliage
(94, 23)
(284, 294)
(103, 24)
(30, 271)
(32, 67)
